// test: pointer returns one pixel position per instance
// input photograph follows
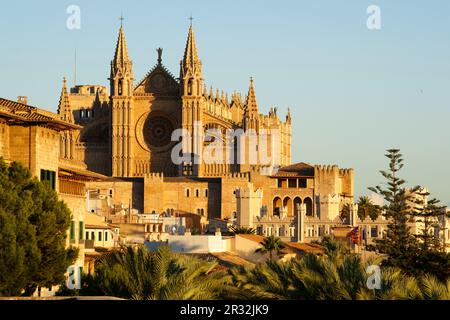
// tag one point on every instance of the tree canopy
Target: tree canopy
(33, 226)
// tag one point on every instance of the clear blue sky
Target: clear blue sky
(353, 92)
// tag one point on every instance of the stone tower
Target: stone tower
(191, 86)
(121, 113)
(68, 140)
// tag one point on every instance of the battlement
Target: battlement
(346, 172)
(237, 175)
(326, 169)
(154, 176)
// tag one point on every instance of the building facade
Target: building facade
(225, 143)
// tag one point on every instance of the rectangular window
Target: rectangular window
(374, 232)
(81, 231)
(72, 230)
(92, 235)
(302, 183)
(87, 235)
(292, 183)
(106, 235)
(99, 236)
(50, 177)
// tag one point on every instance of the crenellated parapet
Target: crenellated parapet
(154, 177)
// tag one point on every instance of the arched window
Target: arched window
(187, 193)
(119, 87)
(206, 193)
(297, 204)
(287, 205)
(197, 193)
(309, 207)
(189, 87)
(277, 206)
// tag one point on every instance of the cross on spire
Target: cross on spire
(121, 19)
(191, 18)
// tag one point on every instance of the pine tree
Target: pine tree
(399, 244)
(33, 226)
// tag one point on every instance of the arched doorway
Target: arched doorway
(276, 206)
(287, 204)
(309, 206)
(297, 204)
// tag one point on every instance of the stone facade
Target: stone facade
(126, 134)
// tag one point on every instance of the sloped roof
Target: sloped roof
(304, 247)
(23, 113)
(251, 237)
(295, 170)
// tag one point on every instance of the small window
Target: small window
(49, 177)
(120, 87)
(280, 183)
(72, 230)
(302, 183)
(292, 183)
(206, 193)
(92, 235)
(99, 236)
(87, 235)
(187, 193)
(197, 193)
(81, 229)
(106, 235)
(374, 232)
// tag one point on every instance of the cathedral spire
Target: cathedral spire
(64, 109)
(250, 102)
(121, 78)
(191, 63)
(121, 54)
(190, 53)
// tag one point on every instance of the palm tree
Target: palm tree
(336, 275)
(269, 245)
(136, 273)
(366, 208)
(263, 281)
(241, 230)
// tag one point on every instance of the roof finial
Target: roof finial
(121, 19)
(160, 50)
(191, 18)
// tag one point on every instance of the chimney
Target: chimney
(22, 99)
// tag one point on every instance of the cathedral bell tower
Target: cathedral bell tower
(121, 114)
(191, 87)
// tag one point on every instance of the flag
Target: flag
(355, 235)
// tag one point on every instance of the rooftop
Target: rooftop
(20, 113)
(295, 170)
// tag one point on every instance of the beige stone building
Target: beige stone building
(230, 147)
